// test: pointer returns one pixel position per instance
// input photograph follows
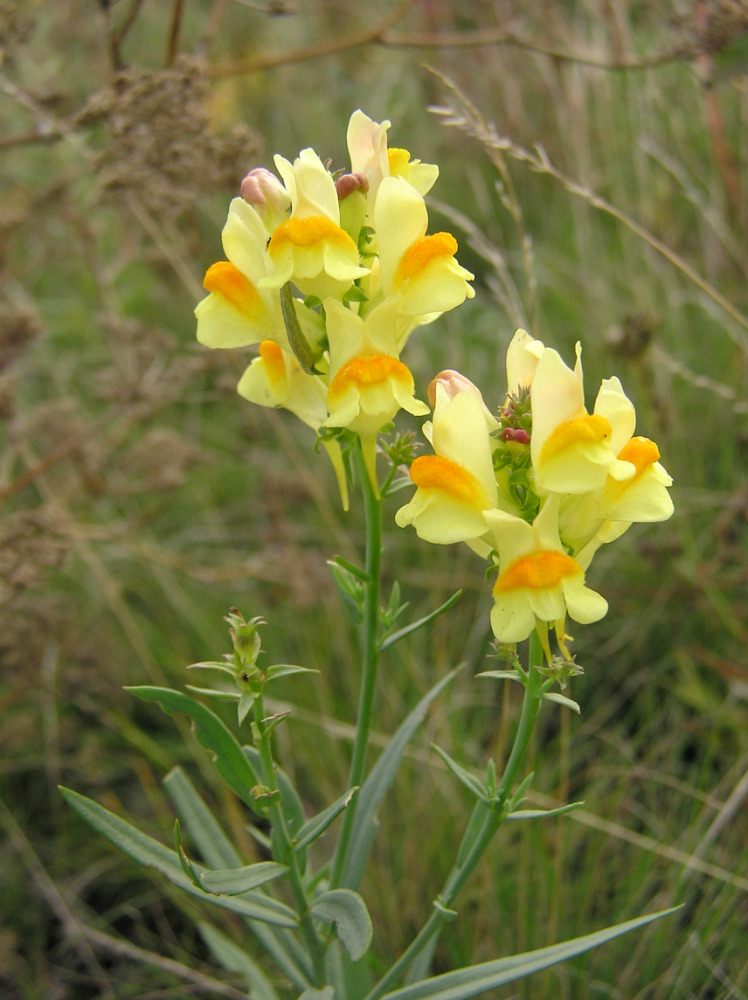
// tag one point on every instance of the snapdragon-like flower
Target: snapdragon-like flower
(570, 448)
(370, 157)
(538, 582)
(421, 269)
(456, 485)
(239, 311)
(311, 248)
(368, 383)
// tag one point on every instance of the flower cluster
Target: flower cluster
(329, 274)
(537, 489)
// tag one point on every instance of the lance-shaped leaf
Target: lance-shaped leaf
(232, 881)
(316, 827)
(150, 853)
(326, 993)
(475, 980)
(299, 344)
(212, 734)
(465, 777)
(376, 785)
(232, 958)
(347, 910)
(390, 640)
(218, 851)
(541, 813)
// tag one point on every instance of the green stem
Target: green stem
(493, 816)
(373, 516)
(283, 848)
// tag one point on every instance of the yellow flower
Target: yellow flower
(421, 269)
(538, 583)
(275, 378)
(457, 484)
(570, 448)
(522, 357)
(641, 497)
(367, 147)
(368, 382)
(310, 248)
(239, 311)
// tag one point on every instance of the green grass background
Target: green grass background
(141, 498)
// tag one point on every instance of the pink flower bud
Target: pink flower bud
(262, 189)
(515, 434)
(453, 382)
(348, 183)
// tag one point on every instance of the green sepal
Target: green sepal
(316, 827)
(347, 910)
(152, 854)
(228, 759)
(355, 294)
(464, 777)
(233, 881)
(401, 633)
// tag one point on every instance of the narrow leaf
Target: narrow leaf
(232, 958)
(326, 993)
(212, 734)
(284, 669)
(150, 853)
(561, 699)
(414, 626)
(502, 675)
(187, 866)
(218, 852)
(378, 782)
(232, 881)
(477, 979)
(347, 910)
(465, 777)
(539, 813)
(316, 827)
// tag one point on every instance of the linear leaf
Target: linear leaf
(376, 785)
(347, 910)
(477, 979)
(232, 958)
(540, 813)
(390, 640)
(465, 777)
(232, 881)
(228, 758)
(317, 826)
(152, 854)
(218, 851)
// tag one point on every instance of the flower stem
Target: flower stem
(493, 814)
(283, 848)
(373, 517)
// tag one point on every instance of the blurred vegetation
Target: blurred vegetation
(594, 167)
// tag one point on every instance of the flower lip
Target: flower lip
(589, 429)
(537, 571)
(438, 472)
(308, 232)
(368, 370)
(422, 253)
(226, 280)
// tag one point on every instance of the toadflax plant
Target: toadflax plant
(328, 275)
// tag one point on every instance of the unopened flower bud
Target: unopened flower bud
(452, 382)
(262, 189)
(346, 184)
(515, 434)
